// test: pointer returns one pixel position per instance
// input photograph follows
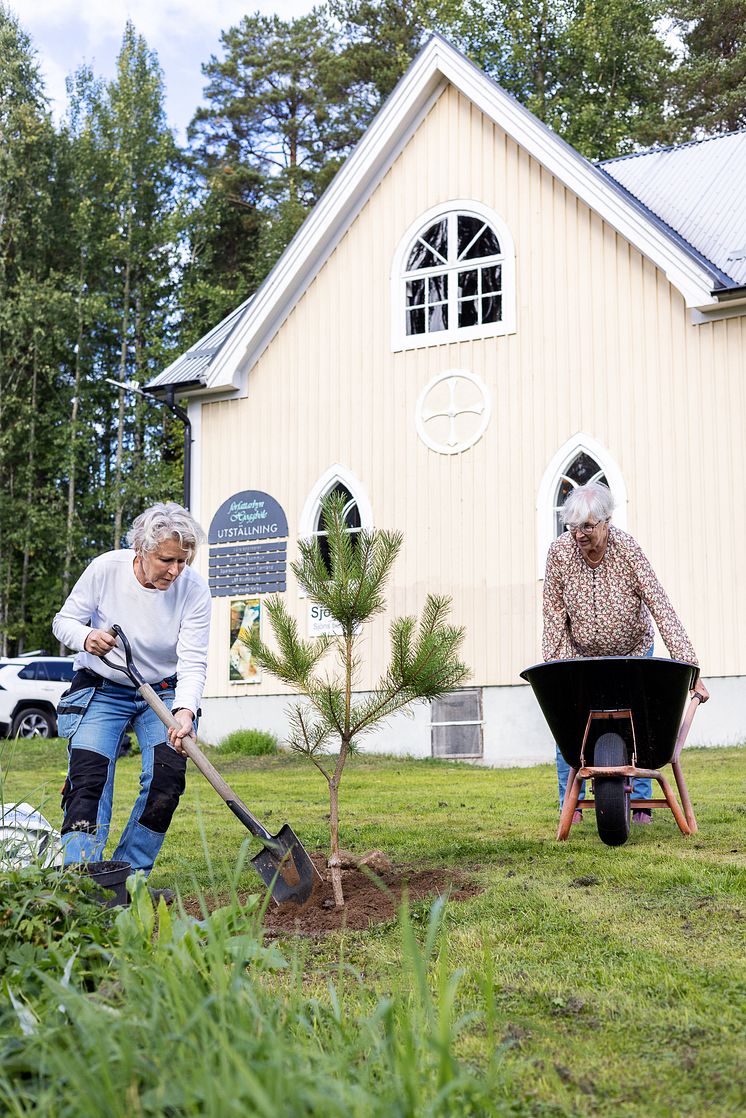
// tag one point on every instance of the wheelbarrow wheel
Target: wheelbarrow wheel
(612, 801)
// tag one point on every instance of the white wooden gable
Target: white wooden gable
(437, 65)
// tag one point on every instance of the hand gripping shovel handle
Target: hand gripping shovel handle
(283, 864)
(208, 770)
(191, 748)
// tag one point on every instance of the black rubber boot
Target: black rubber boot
(156, 894)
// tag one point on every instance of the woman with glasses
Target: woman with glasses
(600, 598)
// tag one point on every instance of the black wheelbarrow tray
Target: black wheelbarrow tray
(615, 718)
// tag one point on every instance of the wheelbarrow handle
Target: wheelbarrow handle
(189, 743)
(686, 724)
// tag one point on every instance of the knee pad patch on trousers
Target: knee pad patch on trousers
(166, 786)
(82, 791)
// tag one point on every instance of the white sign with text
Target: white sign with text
(321, 623)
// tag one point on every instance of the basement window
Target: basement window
(456, 725)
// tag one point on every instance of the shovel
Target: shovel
(283, 865)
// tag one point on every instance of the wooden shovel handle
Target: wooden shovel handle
(195, 754)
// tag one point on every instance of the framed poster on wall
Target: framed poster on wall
(245, 618)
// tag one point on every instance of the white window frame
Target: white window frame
(336, 474)
(400, 340)
(545, 507)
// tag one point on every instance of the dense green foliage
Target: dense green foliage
(47, 917)
(87, 244)
(709, 89)
(117, 250)
(583, 980)
(593, 70)
(249, 743)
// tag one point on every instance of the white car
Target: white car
(30, 689)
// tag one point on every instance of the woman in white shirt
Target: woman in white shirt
(164, 607)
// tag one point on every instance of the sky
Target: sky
(183, 33)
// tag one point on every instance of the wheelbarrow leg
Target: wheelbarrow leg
(572, 792)
(686, 803)
(686, 723)
(678, 814)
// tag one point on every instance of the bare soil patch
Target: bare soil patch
(369, 898)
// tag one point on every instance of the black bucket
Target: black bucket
(111, 876)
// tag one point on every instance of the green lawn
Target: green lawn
(614, 978)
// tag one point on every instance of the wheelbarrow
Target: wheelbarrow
(615, 718)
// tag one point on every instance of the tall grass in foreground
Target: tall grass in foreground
(203, 1018)
(596, 981)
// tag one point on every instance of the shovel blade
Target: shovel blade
(285, 867)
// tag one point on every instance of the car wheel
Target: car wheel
(33, 723)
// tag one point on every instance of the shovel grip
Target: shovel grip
(208, 770)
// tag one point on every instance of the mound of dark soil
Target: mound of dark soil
(369, 898)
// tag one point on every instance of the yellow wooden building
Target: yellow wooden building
(472, 319)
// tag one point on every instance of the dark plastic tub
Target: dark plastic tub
(111, 876)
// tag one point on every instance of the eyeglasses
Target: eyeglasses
(584, 529)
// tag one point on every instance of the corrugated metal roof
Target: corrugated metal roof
(698, 190)
(193, 366)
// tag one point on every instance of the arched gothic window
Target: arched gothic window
(351, 517)
(454, 274)
(580, 460)
(580, 471)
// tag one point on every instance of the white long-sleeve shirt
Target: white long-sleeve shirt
(167, 629)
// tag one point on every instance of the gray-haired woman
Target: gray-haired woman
(164, 607)
(600, 598)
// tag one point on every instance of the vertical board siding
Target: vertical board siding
(603, 345)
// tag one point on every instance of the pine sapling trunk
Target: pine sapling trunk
(334, 860)
(348, 580)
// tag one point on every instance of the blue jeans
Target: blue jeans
(642, 786)
(94, 719)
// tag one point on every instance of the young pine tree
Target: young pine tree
(349, 578)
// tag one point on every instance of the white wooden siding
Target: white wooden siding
(603, 345)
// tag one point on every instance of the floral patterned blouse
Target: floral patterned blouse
(606, 610)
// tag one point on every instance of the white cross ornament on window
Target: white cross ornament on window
(453, 412)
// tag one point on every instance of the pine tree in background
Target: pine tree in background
(378, 40)
(275, 128)
(221, 228)
(708, 88)
(595, 71)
